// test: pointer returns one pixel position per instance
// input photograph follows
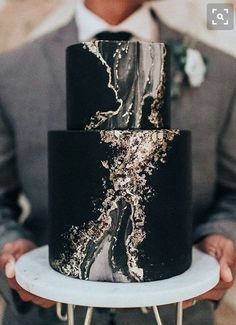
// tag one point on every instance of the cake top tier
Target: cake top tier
(118, 85)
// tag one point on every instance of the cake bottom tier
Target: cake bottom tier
(120, 204)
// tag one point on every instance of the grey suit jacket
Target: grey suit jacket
(32, 97)
(32, 101)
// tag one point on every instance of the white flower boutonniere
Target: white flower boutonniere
(195, 67)
(189, 67)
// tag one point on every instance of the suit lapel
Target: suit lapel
(178, 106)
(54, 51)
(165, 33)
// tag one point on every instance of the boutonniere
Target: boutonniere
(189, 67)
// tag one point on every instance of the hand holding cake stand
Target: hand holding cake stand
(35, 275)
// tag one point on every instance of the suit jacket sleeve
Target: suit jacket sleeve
(10, 228)
(222, 215)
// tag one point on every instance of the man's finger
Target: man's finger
(223, 250)
(17, 248)
(48, 304)
(27, 296)
(7, 247)
(214, 294)
(10, 268)
(39, 301)
(188, 303)
(7, 264)
(10, 248)
(224, 285)
(227, 252)
(4, 258)
(226, 274)
(13, 284)
(227, 261)
(45, 303)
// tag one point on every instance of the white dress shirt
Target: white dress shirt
(140, 24)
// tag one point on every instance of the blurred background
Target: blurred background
(24, 20)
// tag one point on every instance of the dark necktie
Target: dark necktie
(111, 36)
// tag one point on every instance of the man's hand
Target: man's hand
(8, 256)
(224, 251)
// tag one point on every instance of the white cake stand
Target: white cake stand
(34, 274)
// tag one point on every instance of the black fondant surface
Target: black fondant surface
(76, 194)
(125, 76)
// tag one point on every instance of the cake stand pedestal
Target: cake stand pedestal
(34, 274)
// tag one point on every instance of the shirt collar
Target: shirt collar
(140, 24)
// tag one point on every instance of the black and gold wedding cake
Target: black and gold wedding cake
(119, 177)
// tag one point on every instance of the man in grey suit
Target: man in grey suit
(32, 101)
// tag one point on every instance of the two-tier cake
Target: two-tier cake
(119, 177)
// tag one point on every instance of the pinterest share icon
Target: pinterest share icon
(220, 16)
